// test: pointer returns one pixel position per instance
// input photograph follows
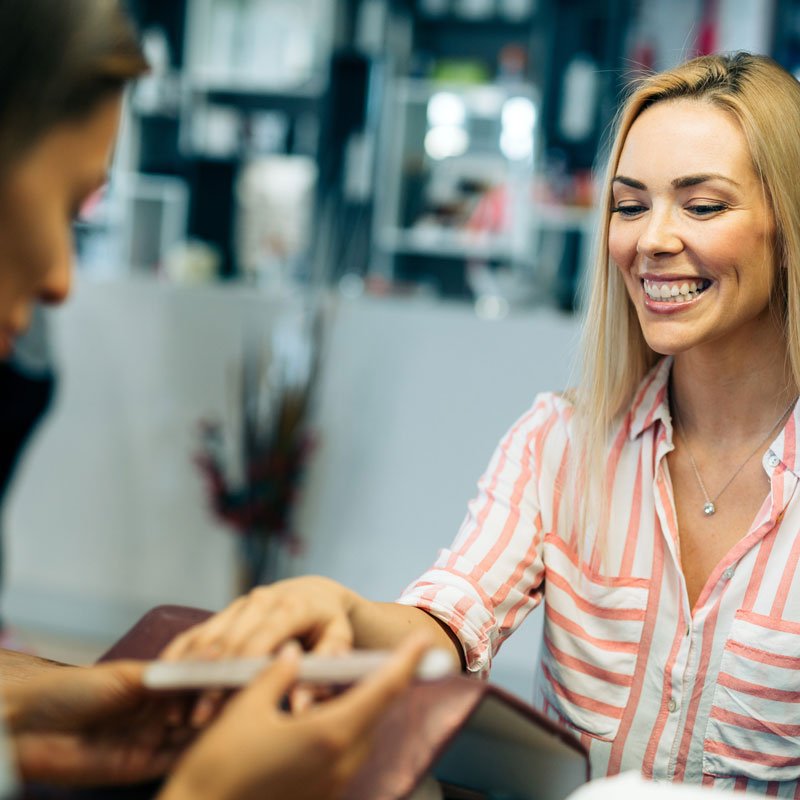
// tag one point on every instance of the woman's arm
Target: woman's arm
(480, 589)
(325, 616)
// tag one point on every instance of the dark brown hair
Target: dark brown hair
(58, 60)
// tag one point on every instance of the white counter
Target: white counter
(108, 515)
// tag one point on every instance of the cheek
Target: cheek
(38, 243)
(621, 246)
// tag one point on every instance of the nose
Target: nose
(57, 282)
(660, 236)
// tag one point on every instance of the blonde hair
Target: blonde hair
(765, 100)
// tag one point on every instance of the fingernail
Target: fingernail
(290, 651)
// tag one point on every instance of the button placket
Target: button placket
(672, 705)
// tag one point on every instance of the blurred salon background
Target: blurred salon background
(338, 254)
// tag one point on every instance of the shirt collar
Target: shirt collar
(651, 404)
(786, 446)
(651, 400)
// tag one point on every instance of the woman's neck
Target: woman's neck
(733, 391)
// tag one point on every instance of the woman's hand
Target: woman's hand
(255, 750)
(313, 610)
(91, 726)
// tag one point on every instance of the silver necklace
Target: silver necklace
(710, 505)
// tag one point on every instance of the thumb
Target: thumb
(360, 708)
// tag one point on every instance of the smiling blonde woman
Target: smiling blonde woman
(654, 508)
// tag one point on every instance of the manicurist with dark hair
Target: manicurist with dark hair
(63, 68)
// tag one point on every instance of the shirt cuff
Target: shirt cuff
(457, 608)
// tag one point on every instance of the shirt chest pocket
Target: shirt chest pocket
(592, 635)
(753, 725)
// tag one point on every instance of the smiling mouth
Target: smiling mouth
(675, 291)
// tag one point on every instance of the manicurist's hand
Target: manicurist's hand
(88, 726)
(255, 750)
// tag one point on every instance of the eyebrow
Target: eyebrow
(679, 183)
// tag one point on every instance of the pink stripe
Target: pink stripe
(750, 723)
(757, 689)
(576, 630)
(534, 550)
(772, 788)
(437, 587)
(484, 512)
(594, 577)
(709, 780)
(634, 521)
(768, 622)
(502, 593)
(581, 700)
(666, 691)
(697, 692)
(756, 756)
(762, 656)
(501, 543)
(790, 441)
(759, 569)
(741, 783)
(630, 614)
(787, 579)
(579, 665)
(640, 398)
(561, 475)
(657, 403)
(612, 467)
(646, 642)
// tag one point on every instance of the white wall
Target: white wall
(108, 516)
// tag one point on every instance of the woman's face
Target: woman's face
(692, 232)
(40, 197)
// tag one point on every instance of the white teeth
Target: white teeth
(674, 292)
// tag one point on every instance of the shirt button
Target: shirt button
(688, 629)
(728, 574)
(773, 460)
(672, 706)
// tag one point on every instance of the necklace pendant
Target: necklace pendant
(709, 508)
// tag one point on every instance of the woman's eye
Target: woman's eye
(707, 209)
(630, 210)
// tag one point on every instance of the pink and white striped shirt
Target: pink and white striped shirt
(709, 695)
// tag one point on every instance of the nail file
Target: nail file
(320, 670)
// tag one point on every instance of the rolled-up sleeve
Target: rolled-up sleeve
(485, 584)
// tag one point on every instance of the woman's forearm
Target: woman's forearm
(382, 626)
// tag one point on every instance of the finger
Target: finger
(336, 638)
(359, 709)
(301, 699)
(271, 686)
(124, 673)
(194, 638)
(251, 634)
(304, 623)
